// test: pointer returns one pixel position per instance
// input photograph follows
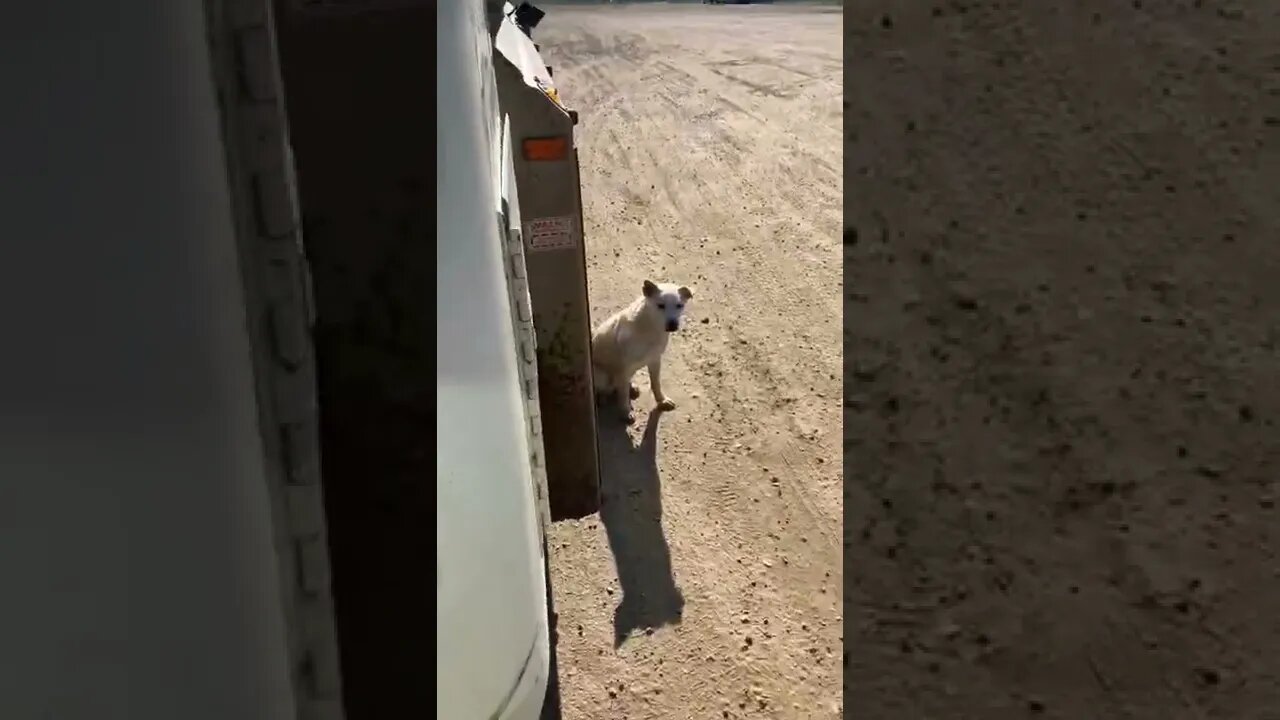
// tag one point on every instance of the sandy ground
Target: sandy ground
(709, 586)
(1063, 301)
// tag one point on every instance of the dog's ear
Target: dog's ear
(685, 293)
(650, 289)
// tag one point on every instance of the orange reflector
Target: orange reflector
(552, 148)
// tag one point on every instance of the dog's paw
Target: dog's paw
(667, 404)
(634, 392)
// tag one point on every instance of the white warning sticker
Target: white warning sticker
(551, 233)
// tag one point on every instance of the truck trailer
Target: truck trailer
(216, 441)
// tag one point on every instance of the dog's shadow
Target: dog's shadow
(631, 510)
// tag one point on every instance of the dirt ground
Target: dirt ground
(1063, 304)
(709, 586)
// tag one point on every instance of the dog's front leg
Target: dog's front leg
(655, 384)
(623, 392)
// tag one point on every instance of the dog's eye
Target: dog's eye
(662, 306)
(679, 306)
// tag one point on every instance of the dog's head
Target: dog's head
(666, 302)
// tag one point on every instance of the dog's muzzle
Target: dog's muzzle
(672, 326)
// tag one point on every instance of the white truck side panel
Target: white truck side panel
(139, 577)
(492, 650)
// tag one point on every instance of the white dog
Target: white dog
(636, 337)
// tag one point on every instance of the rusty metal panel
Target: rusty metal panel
(551, 212)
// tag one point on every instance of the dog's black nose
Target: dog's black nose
(672, 326)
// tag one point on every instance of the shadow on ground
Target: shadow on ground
(631, 510)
